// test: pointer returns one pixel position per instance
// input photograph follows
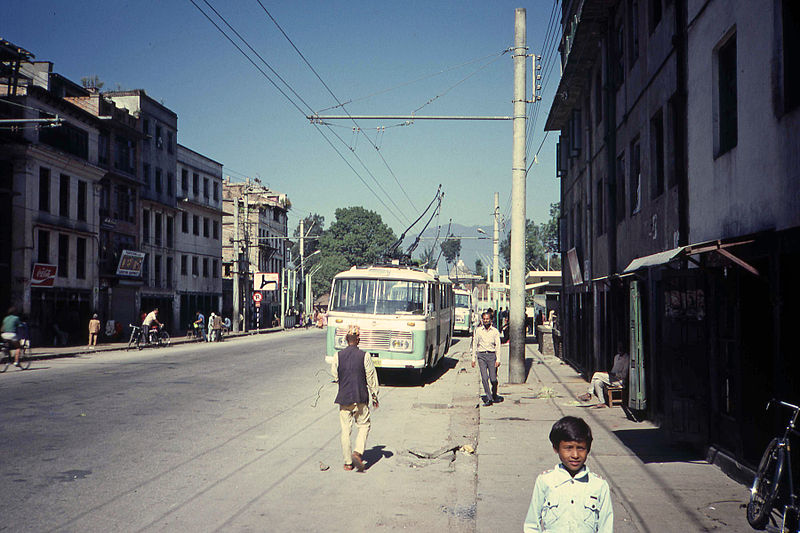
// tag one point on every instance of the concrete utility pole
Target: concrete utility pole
(495, 251)
(516, 351)
(237, 264)
(302, 258)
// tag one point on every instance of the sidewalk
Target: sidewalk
(52, 352)
(654, 486)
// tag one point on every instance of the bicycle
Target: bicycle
(136, 337)
(764, 491)
(158, 336)
(7, 355)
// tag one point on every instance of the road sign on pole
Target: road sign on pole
(265, 281)
(257, 297)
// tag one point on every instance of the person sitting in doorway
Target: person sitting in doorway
(616, 377)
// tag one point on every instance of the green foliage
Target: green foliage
(357, 237)
(540, 240)
(479, 268)
(428, 257)
(314, 226)
(451, 248)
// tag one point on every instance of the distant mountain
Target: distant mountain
(474, 245)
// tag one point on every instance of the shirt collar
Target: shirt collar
(564, 475)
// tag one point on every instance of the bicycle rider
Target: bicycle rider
(11, 323)
(148, 322)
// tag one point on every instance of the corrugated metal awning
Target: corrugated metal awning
(662, 258)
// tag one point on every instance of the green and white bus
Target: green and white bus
(405, 315)
(464, 312)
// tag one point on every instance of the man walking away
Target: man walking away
(485, 342)
(94, 331)
(353, 369)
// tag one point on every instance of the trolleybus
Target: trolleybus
(464, 312)
(405, 315)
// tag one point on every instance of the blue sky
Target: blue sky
(228, 111)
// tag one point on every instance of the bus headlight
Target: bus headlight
(401, 345)
(339, 342)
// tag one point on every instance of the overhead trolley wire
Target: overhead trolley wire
(280, 90)
(340, 103)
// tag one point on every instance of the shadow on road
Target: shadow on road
(398, 377)
(375, 454)
(653, 445)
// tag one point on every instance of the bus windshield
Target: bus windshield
(378, 296)
(462, 300)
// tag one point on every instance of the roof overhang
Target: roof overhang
(685, 252)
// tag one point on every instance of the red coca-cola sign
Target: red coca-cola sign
(43, 275)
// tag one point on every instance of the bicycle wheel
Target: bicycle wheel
(24, 358)
(765, 486)
(163, 338)
(132, 340)
(5, 360)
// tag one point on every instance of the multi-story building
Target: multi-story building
(261, 240)
(158, 208)
(198, 242)
(49, 177)
(679, 175)
(118, 152)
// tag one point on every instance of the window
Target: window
(185, 222)
(146, 127)
(146, 269)
(170, 229)
(205, 227)
(598, 97)
(157, 271)
(170, 181)
(66, 137)
(215, 271)
(216, 191)
(145, 225)
(216, 229)
(205, 188)
(170, 145)
(103, 143)
(654, 14)
(82, 199)
(63, 196)
(196, 224)
(195, 183)
(791, 55)
(205, 267)
(158, 229)
(159, 187)
(620, 185)
(727, 116)
(195, 271)
(635, 179)
(657, 152)
(185, 181)
(44, 189)
(634, 25)
(146, 176)
(184, 265)
(620, 53)
(575, 133)
(124, 155)
(599, 209)
(63, 255)
(676, 117)
(43, 252)
(159, 139)
(125, 205)
(80, 258)
(169, 272)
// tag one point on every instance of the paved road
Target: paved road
(227, 437)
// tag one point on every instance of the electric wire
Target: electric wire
(294, 104)
(400, 185)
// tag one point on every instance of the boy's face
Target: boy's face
(572, 454)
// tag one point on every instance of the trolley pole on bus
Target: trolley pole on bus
(516, 303)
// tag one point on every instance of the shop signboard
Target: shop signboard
(130, 263)
(43, 275)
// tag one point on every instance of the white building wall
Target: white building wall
(754, 186)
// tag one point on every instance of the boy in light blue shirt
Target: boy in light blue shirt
(570, 498)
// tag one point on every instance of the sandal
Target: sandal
(348, 467)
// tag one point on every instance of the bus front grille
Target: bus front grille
(376, 339)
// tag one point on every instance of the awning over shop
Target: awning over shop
(684, 252)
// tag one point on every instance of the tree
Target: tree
(92, 82)
(451, 248)
(540, 241)
(479, 269)
(428, 257)
(357, 237)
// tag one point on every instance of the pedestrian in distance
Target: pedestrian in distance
(150, 321)
(570, 498)
(616, 377)
(485, 343)
(200, 324)
(353, 370)
(11, 323)
(94, 331)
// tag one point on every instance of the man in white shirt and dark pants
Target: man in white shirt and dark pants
(616, 377)
(485, 342)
